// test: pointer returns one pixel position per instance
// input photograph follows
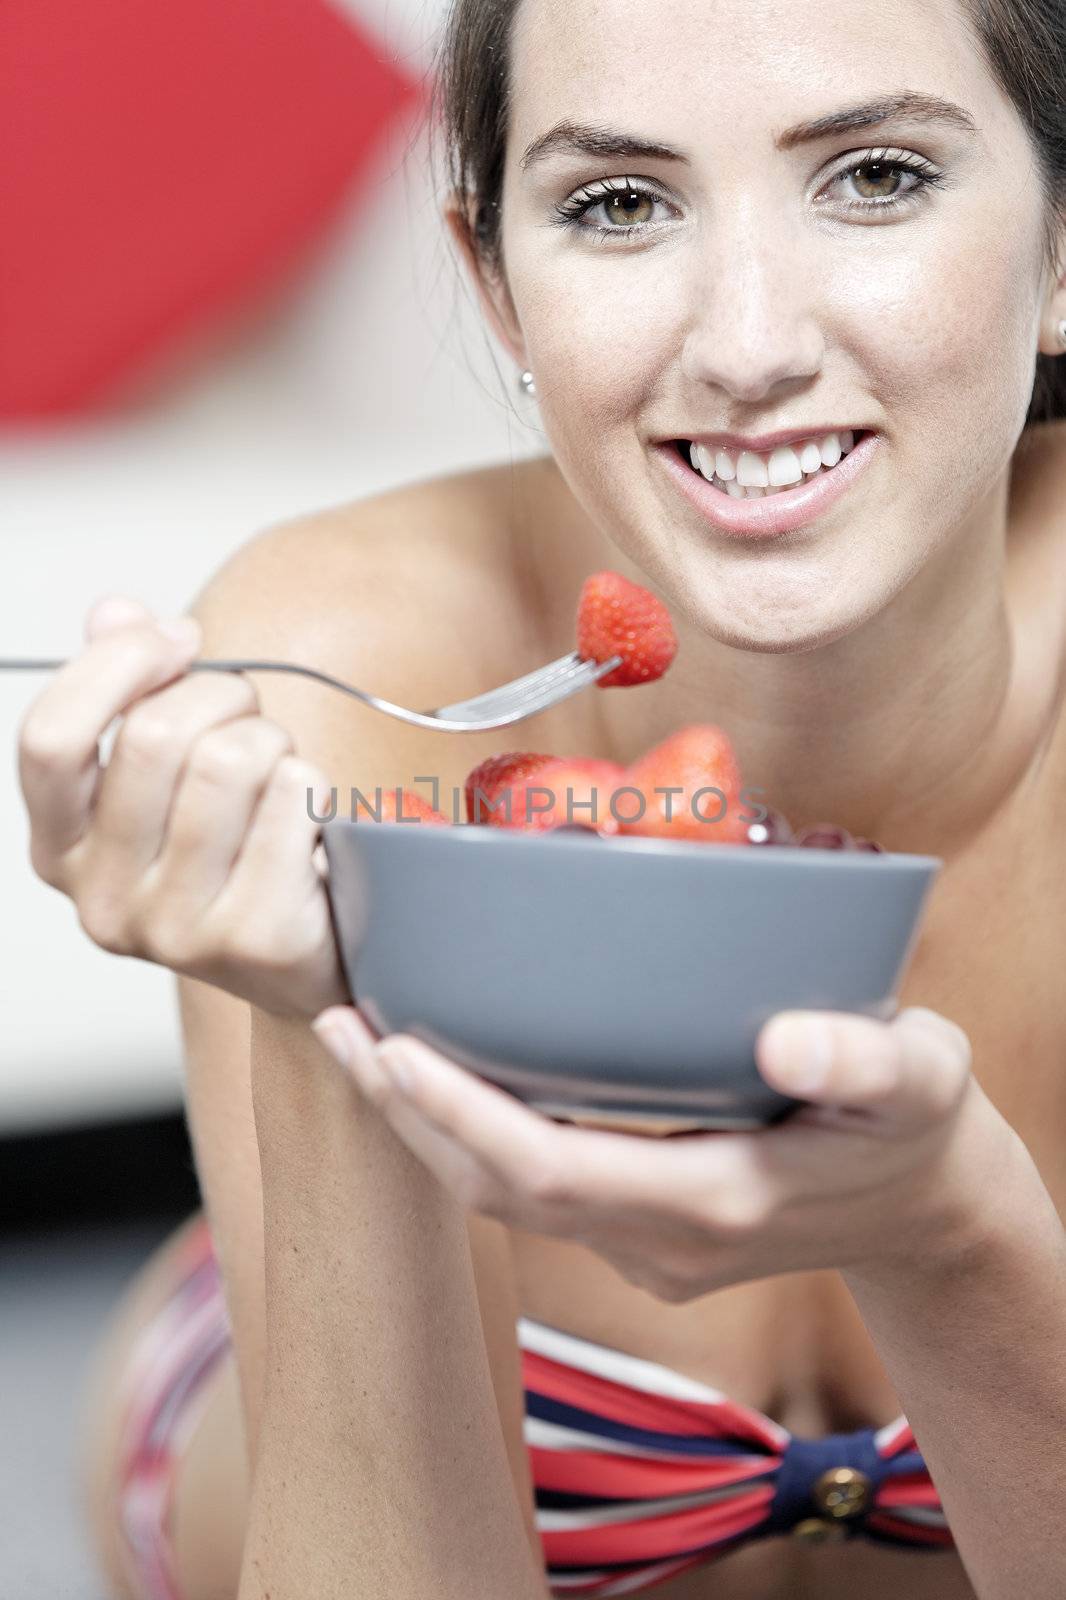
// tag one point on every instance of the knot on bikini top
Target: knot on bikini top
(830, 1482)
(633, 1462)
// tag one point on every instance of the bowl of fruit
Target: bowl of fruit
(605, 942)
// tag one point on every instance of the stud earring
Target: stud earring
(526, 384)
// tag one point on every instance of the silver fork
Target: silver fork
(511, 702)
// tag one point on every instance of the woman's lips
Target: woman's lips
(777, 513)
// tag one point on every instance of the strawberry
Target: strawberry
(412, 810)
(492, 778)
(619, 618)
(568, 791)
(697, 757)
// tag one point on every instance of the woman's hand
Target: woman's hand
(891, 1158)
(193, 847)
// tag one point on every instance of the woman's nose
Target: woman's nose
(754, 318)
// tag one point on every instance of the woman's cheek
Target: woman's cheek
(604, 342)
(597, 329)
(958, 326)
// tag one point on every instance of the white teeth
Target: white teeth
(752, 471)
(785, 467)
(749, 475)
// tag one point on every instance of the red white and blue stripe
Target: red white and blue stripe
(642, 1473)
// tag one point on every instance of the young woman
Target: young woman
(824, 1359)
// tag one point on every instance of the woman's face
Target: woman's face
(886, 278)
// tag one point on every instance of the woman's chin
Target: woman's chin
(771, 632)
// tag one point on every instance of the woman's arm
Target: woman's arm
(378, 1450)
(381, 1470)
(899, 1172)
(192, 848)
(973, 1337)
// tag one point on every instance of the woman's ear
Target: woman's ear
(491, 286)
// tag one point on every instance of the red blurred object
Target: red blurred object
(160, 165)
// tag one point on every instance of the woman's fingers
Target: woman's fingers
(213, 769)
(113, 611)
(506, 1148)
(164, 737)
(514, 1146)
(58, 739)
(911, 1068)
(275, 884)
(193, 847)
(510, 1161)
(344, 1034)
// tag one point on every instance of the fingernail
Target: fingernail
(183, 630)
(360, 1062)
(807, 1050)
(112, 611)
(397, 1063)
(335, 1039)
(324, 800)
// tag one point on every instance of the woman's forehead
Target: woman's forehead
(766, 61)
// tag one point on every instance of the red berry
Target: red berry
(412, 809)
(619, 618)
(566, 792)
(492, 778)
(697, 757)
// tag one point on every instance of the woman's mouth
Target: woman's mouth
(769, 491)
(750, 474)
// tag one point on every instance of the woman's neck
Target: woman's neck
(913, 729)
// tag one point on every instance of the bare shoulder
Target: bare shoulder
(422, 595)
(419, 583)
(461, 523)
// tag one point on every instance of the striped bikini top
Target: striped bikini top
(641, 1473)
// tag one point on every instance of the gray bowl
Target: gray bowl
(621, 982)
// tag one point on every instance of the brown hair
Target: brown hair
(1024, 42)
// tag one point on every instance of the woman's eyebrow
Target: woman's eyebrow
(585, 139)
(593, 140)
(912, 104)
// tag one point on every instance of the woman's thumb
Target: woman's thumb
(113, 611)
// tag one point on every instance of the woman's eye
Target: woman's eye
(877, 183)
(881, 183)
(626, 208)
(632, 206)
